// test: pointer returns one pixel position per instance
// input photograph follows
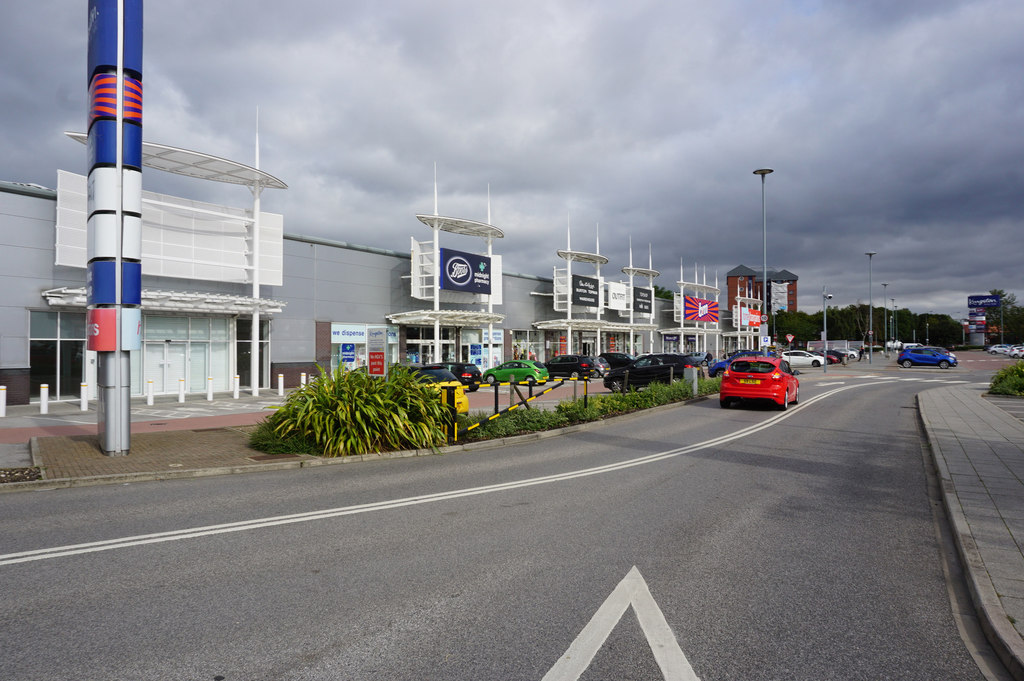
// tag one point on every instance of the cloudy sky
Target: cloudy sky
(894, 126)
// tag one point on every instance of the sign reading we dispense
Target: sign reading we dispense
(585, 291)
(466, 272)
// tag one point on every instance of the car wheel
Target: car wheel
(615, 386)
(574, 375)
(473, 388)
(815, 363)
(532, 380)
(785, 401)
(907, 364)
(943, 364)
(490, 380)
(796, 396)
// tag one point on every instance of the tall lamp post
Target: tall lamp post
(764, 249)
(825, 297)
(895, 326)
(871, 310)
(885, 321)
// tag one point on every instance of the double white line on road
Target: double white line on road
(241, 526)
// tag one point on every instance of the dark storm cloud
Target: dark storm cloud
(892, 127)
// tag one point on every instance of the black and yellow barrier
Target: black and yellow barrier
(524, 401)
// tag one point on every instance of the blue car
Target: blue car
(926, 356)
(719, 367)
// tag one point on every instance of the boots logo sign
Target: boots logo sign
(466, 272)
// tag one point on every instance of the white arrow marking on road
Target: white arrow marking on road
(632, 590)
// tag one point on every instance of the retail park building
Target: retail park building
(318, 300)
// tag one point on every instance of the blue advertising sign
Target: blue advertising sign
(466, 272)
(983, 301)
(348, 352)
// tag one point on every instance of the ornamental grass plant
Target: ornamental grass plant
(342, 413)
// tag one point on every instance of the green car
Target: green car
(517, 371)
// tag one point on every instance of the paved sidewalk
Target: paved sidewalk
(978, 449)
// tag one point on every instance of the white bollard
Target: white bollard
(149, 392)
(3, 401)
(85, 397)
(302, 379)
(280, 385)
(181, 390)
(44, 399)
(209, 388)
(237, 382)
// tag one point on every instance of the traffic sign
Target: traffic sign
(789, 337)
(764, 318)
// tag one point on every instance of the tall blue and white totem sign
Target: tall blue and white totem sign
(114, 278)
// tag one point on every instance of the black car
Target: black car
(617, 359)
(467, 372)
(661, 367)
(573, 366)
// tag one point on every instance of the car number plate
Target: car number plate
(750, 381)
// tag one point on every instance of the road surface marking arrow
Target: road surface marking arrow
(631, 591)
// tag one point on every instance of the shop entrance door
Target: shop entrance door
(165, 364)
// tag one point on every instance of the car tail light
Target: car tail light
(777, 375)
(584, 365)
(725, 373)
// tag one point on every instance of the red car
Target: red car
(759, 378)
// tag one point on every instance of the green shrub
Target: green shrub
(349, 412)
(515, 423)
(1009, 380)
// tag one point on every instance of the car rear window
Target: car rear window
(752, 367)
(434, 375)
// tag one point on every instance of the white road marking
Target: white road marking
(832, 383)
(257, 523)
(631, 591)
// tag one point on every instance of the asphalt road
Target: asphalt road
(765, 545)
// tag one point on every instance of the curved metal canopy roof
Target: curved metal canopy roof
(198, 165)
(641, 271)
(583, 256)
(461, 226)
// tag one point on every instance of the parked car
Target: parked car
(926, 356)
(802, 358)
(516, 371)
(836, 356)
(759, 378)
(617, 359)
(998, 349)
(441, 378)
(719, 367)
(573, 366)
(603, 364)
(467, 372)
(1017, 351)
(655, 368)
(699, 359)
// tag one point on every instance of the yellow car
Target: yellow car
(441, 378)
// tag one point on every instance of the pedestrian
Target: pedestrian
(860, 353)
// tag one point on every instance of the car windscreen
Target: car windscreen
(752, 367)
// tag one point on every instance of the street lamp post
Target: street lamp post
(825, 296)
(871, 309)
(895, 326)
(885, 321)
(764, 249)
